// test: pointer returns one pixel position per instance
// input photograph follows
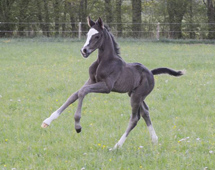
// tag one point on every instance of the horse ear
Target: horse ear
(90, 22)
(100, 22)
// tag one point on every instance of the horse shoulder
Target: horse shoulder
(92, 71)
(109, 68)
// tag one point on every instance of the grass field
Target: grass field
(36, 77)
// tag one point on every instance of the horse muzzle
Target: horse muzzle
(85, 53)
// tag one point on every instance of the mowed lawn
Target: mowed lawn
(36, 77)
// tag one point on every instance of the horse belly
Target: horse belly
(127, 82)
(122, 88)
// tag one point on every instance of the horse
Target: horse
(110, 73)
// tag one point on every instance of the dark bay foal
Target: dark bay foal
(111, 73)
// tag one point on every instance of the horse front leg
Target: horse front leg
(99, 87)
(57, 113)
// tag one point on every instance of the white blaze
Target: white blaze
(91, 32)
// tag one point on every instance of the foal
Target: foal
(111, 73)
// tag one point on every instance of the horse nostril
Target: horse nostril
(85, 50)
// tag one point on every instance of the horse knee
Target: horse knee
(145, 105)
(77, 117)
(145, 114)
(134, 119)
(133, 122)
(82, 92)
(147, 119)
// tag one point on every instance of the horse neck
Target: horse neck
(107, 51)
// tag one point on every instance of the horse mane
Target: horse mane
(115, 44)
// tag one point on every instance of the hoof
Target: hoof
(155, 140)
(117, 146)
(78, 130)
(44, 125)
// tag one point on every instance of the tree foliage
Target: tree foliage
(134, 18)
(210, 5)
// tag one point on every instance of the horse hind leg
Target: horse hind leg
(135, 116)
(132, 123)
(145, 114)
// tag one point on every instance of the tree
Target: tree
(210, 4)
(136, 18)
(6, 12)
(46, 16)
(108, 11)
(23, 15)
(65, 9)
(191, 26)
(56, 5)
(83, 14)
(39, 16)
(72, 7)
(119, 17)
(176, 10)
(47, 20)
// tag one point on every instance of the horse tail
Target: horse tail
(167, 71)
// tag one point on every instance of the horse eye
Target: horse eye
(97, 37)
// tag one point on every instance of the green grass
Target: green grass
(36, 77)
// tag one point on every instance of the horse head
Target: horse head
(94, 37)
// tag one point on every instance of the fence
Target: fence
(125, 30)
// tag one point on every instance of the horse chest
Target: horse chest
(101, 74)
(98, 72)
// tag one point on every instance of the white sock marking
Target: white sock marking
(53, 116)
(153, 134)
(121, 141)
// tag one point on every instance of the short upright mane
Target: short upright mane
(115, 44)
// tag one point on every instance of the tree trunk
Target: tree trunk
(119, 17)
(191, 26)
(211, 19)
(176, 10)
(47, 30)
(39, 16)
(64, 20)
(108, 12)
(57, 13)
(23, 6)
(5, 16)
(83, 15)
(136, 18)
(72, 18)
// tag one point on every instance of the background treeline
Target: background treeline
(194, 19)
